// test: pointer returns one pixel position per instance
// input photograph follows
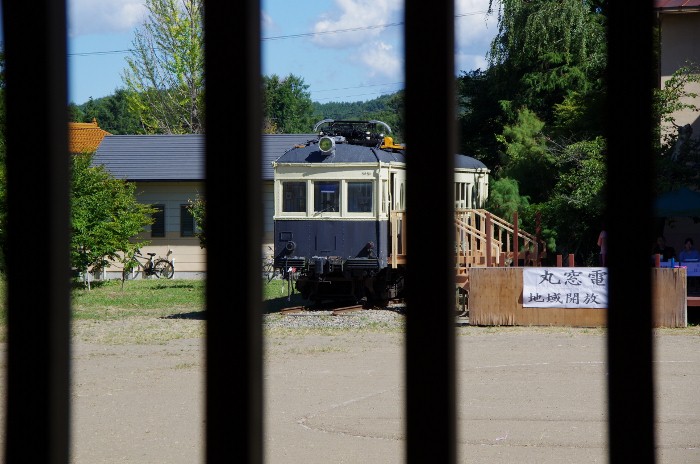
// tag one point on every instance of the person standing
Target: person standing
(660, 248)
(603, 244)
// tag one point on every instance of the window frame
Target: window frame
(186, 215)
(160, 207)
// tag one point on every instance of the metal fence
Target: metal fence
(38, 362)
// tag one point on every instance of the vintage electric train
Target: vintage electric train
(338, 201)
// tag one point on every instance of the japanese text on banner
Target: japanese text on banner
(565, 287)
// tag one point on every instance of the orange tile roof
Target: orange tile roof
(84, 136)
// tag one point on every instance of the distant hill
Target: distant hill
(112, 115)
(387, 108)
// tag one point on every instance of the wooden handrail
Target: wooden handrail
(482, 239)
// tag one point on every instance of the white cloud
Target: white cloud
(381, 61)
(104, 16)
(469, 62)
(266, 22)
(356, 14)
(380, 50)
(472, 22)
(474, 30)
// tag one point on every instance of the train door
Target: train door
(392, 186)
(396, 211)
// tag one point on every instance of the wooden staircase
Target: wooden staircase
(482, 239)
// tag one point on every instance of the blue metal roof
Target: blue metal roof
(152, 157)
(163, 158)
(467, 162)
(343, 153)
(274, 145)
(180, 158)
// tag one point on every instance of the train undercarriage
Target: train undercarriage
(371, 288)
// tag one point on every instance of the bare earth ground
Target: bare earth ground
(525, 395)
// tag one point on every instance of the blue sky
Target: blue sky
(345, 50)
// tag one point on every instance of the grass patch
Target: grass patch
(157, 311)
(147, 310)
(279, 294)
(160, 298)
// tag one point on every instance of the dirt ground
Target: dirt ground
(524, 395)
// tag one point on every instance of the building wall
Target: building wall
(268, 211)
(189, 258)
(680, 41)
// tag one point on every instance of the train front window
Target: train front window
(294, 197)
(360, 197)
(326, 197)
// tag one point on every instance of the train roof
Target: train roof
(467, 162)
(343, 153)
(350, 141)
(348, 153)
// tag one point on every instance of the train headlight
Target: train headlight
(326, 144)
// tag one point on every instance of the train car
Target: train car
(334, 200)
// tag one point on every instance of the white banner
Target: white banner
(565, 287)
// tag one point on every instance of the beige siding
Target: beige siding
(268, 211)
(188, 256)
(680, 42)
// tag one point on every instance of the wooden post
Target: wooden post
(489, 233)
(571, 260)
(559, 260)
(516, 247)
(657, 260)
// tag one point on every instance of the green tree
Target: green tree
(574, 210)
(526, 157)
(479, 116)
(386, 108)
(535, 115)
(677, 154)
(165, 75)
(547, 48)
(105, 216)
(111, 112)
(197, 208)
(287, 105)
(505, 199)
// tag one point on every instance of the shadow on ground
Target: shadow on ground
(194, 315)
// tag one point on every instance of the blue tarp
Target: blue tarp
(681, 202)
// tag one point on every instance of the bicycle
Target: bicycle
(269, 270)
(163, 268)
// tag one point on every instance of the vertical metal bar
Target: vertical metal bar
(430, 337)
(630, 381)
(234, 384)
(38, 362)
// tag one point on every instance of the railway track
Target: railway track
(339, 311)
(334, 311)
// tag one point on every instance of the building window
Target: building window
(294, 197)
(186, 222)
(158, 226)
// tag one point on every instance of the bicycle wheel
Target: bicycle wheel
(134, 273)
(164, 269)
